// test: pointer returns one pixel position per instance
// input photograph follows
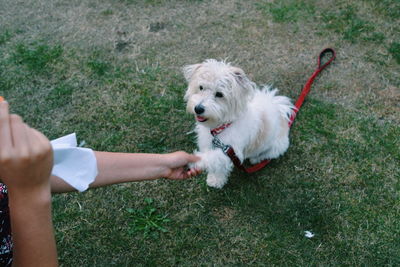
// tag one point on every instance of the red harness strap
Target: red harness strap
(230, 152)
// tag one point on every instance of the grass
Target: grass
(5, 36)
(394, 50)
(344, 19)
(147, 220)
(351, 26)
(111, 72)
(36, 57)
(288, 11)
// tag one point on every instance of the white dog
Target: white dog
(231, 108)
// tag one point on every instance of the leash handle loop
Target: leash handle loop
(323, 54)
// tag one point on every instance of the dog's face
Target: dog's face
(217, 92)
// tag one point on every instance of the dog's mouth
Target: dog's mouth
(201, 119)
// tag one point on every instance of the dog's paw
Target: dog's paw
(256, 160)
(198, 165)
(215, 181)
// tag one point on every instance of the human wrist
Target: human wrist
(38, 195)
(165, 164)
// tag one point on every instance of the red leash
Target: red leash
(307, 87)
(228, 150)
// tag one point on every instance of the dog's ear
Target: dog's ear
(189, 70)
(238, 73)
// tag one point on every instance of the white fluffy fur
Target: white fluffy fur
(259, 117)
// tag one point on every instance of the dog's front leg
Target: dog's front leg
(218, 166)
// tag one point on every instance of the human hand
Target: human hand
(26, 156)
(177, 165)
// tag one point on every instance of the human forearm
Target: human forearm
(31, 223)
(116, 168)
(129, 167)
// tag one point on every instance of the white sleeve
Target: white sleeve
(77, 166)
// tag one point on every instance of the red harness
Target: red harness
(230, 152)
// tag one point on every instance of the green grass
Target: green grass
(388, 8)
(394, 50)
(5, 36)
(350, 25)
(147, 220)
(36, 57)
(339, 179)
(288, 11)
(343, 18)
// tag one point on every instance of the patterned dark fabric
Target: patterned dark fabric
(5, 229)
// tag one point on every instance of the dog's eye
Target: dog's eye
(201, 88)
(219, 94)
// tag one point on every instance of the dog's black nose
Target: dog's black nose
(199, 109)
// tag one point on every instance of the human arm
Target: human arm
(25, 165)
(114, 168)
